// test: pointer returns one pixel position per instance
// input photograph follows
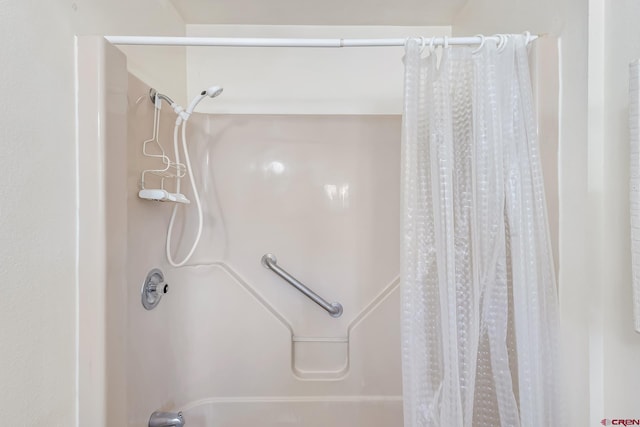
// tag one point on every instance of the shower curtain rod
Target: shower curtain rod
(293, 42)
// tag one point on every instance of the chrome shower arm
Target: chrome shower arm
(153, 94)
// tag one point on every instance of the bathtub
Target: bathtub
(301, 412)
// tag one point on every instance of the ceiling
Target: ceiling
(319, 12)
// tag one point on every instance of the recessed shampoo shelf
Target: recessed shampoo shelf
(333, 308)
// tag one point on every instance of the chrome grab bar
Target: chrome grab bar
(334, 308)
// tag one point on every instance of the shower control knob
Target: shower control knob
(151, 289)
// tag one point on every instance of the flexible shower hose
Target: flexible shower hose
(196, 196)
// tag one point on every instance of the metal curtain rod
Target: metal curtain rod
(293, 42)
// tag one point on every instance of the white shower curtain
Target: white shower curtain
(479, 302)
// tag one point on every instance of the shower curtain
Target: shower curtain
(479, 302)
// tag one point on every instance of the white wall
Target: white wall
(301, 81)
(578, 192)
(38, 208)
(621, 343)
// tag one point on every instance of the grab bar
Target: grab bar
(334, 308)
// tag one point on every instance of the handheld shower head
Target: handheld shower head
(211, 92)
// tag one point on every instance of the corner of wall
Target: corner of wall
(102, 81)
(164, 68)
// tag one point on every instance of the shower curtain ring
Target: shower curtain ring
(423, 43)
(527, 38)
(502, 43)
(432, 47)
(446, 42)
(482, 40)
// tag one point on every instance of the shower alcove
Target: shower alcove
(231, 344)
